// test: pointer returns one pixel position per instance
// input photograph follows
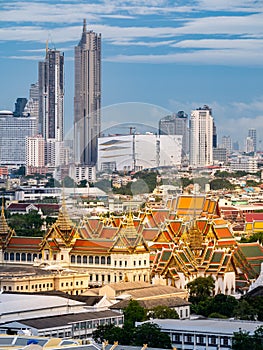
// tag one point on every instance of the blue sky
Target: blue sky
(159, 56)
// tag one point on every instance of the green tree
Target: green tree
(151, 334)
(223, 304)
(26, 224)
(68, 182)
(244, 311)
(163, 312)
(242, 341)
(134, 312)
(108, 332)
(218, 184)
(201, 288)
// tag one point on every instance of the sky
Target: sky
(158, 57)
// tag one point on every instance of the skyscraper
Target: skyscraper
(252, 133)
(201, 137)
(87, 100)
(51, 95)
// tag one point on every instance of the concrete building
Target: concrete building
(32, 106)
(249, 145)
(201, 137)
(13, 133)
(35, 152)
(203, 334)
(20, 106)
(137, 152)
(227, 143)
(252, 133)
(248, 164)
(176, 124)
(51, 103)
(87, 100)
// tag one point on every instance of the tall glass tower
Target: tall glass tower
(87, 100)
(51, 95)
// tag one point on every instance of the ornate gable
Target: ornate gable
(62, 233)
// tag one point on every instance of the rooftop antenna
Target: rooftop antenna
(46, 47)
(84, 25)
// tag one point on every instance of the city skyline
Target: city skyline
(197, 53)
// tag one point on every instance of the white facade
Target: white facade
(136, 152)
(79, 173)
(13, 133)
(203, 334)
(35, 151)
(201, 137)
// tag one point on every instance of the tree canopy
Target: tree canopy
(201, 288)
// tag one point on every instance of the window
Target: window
(108, 278)
(176, 337)
(17, 257)
(85, 259)
(134, 263)
(77, 283)
(90, 259)
(72, 259)
(97, 260)
(108, 260)
(120, 263)
(78, 259)
(125, 263)
(189, 338)
(55, 257)
(201, 339)
(103, 260)
(29, 257)
(97, 278)
(115, 263)
(17, 287)
(213, 340)
(23, 257)
(6, 256)
(225, 341)
(62, 284)
(90, 278)
(140, 262)
(62, 257)
(12, 256)
(145, 262)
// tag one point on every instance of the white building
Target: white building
(35, 151)
(201, 137)
(136, 152)
(13, 133)
(203, 334)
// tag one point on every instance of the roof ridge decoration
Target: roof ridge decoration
(128, 238)
(6, 232)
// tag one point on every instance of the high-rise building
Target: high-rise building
(201, 137)
(51, 95)
(35, 152)
(252, 133)
(176, 124)
(20, 106)
(87, 100)
(227, 143)
(249, 145)
(32, 106)
(13, 133)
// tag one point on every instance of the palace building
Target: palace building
(170, 246)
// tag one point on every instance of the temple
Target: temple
(171, 246)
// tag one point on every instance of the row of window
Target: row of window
(90, 259)
(199, 339)
(34, 286)
(21, 256)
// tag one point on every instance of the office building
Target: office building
(252, 133)
(35, 153)
(201, 137)
(227, 144)
(51, 102)
(20, 106)
(87, 100)
(13, 133)
(176, 124)
(249, 145)
(32, 106)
